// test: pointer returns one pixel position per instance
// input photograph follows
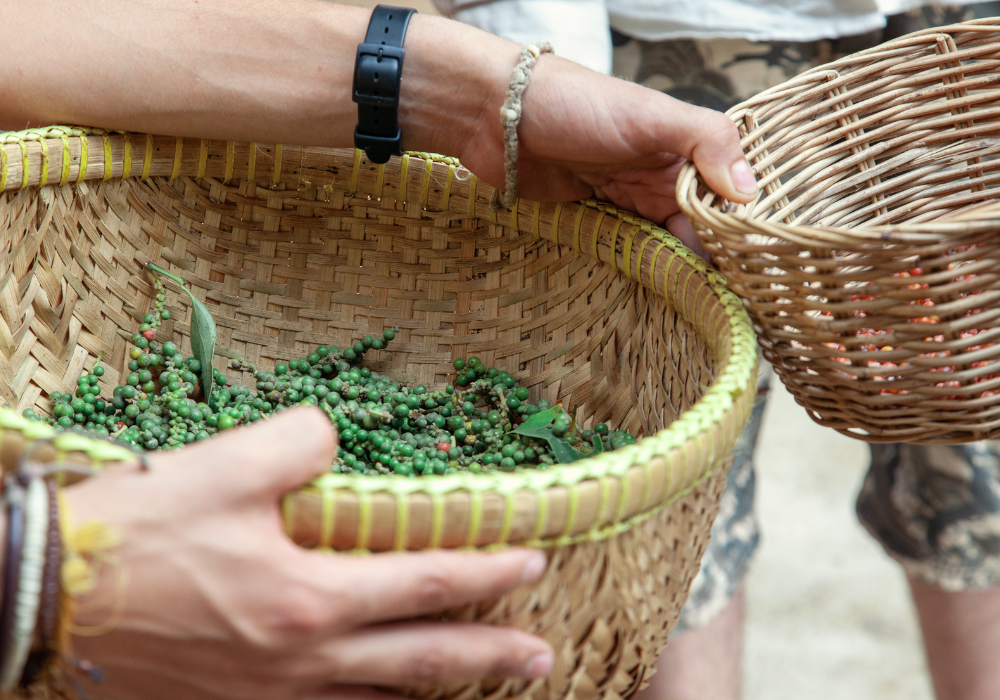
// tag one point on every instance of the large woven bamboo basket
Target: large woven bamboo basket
(869, 260)
(292, 247)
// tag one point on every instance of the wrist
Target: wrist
(450, 99)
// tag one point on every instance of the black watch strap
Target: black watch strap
(378, 69)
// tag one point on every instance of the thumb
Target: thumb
(268, 458)
(711, 140)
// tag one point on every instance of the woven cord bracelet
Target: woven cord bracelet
(510, 117)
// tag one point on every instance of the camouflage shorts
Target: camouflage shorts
(935, 509)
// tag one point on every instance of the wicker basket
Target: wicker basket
(869, 260)
(291, 247)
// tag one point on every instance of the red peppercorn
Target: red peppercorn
(149, 334)
(120, 425)
(444, 447)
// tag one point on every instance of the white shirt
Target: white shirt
(578, 29)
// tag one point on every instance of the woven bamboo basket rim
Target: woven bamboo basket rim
(588, 500)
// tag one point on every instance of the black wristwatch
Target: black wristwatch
(378, 69)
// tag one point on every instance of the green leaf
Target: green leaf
(203, 334)
(562, 451)
(538, 433)
(540, 419)
(538, 426)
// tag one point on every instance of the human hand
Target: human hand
(221, 604)
(582, 132)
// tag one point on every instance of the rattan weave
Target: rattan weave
(869, 260)
(291, 247)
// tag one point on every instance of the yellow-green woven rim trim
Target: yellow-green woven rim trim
(98, 451)
(596, 534)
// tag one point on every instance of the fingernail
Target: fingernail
(539, 666)
(743, 178)
(534, 568)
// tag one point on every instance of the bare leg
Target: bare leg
(962, 638)
(705, 663)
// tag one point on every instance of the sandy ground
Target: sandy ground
(829, 614)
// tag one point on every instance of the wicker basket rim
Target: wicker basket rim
(826, 77)
(735, 376)
(903, 43)
(975, 221)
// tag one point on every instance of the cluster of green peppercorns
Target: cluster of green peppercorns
(384, 426)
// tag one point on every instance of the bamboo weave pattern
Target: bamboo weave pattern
(291, 247)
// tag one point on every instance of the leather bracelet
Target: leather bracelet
(378, 71)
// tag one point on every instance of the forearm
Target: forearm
(281, 71)
(251, 70)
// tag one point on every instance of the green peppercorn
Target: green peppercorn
(561, 425)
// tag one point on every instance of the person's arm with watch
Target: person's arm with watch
(220, 604)
(282, 72)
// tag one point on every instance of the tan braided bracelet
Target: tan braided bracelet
(510, 117)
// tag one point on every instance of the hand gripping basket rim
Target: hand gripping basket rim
(702, 436)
